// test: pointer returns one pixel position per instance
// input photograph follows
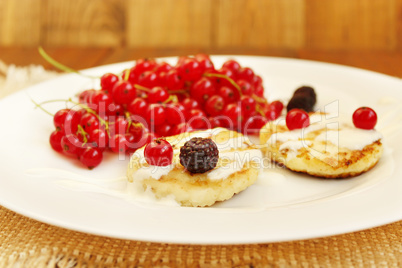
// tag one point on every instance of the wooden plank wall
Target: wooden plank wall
(204, 24)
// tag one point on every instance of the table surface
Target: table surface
(27, 242)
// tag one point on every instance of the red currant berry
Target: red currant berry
(248, 105)
(181, 128)
(118, 143)
(232, 65)
(157, 95)
(198, 120)
(205, 62)
(139, 107)
(156, 114)
(101, 100)
(202, 90)
(296, 119)
(163, 130)
(246, 74)
(158, 152)
(365, 118)
(131, 77)
(214, 106)
(91, 157)
(115, 109)
(277, 106)
(85, 96)
(253, 125)
(123, 92)
(259, 91)
(175, 113)
(148, 79)
(120, 126)
(173, 80)
(234, 114)
(162, 67)
(190, 104)
(55, 140)
(67, 120)
(71, 145)
(190, 69)
(143, 65)
(246, 87)
(228, 94)
(257, 81)
(108, 81)
(99, 138)
(219, 81)
(89, 122)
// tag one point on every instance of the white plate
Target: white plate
(281, 206)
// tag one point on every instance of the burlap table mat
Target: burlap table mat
(25, 242)
(28, 243)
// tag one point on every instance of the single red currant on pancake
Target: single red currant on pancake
(296, 119)
(158, 152)
(365, 118)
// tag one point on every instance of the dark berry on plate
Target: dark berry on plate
(199, 155)
(303, 98)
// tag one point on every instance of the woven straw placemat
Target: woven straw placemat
(28, 243)
(25, 242)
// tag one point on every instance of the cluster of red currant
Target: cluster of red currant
(155, 99)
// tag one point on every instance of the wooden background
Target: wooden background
(204, 25)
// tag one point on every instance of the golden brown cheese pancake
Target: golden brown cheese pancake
(331, 147)
(237, 168)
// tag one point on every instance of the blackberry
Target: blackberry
(303, 98)
(199, 155)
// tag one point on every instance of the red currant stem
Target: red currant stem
(227, 78)
(37, 105)
(126, 74)
(259, 110)
(172, 98)
(60, 66)
(179, 91)
(91, 111)
(142, 88)
(259, 99)
(131, 123)
(83, 133)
